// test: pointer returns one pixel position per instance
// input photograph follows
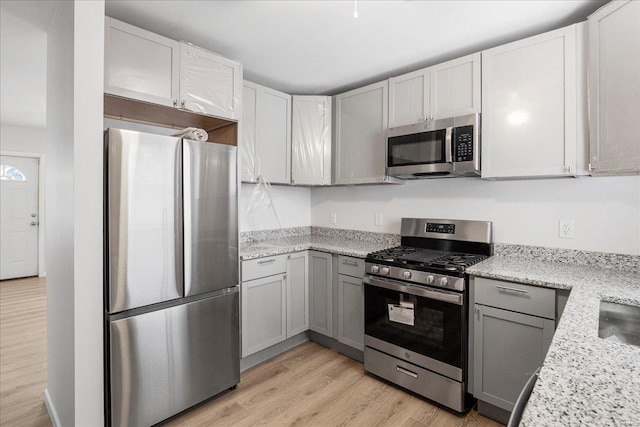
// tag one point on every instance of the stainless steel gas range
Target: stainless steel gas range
(416, 307)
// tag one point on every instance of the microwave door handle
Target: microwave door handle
(448, 155)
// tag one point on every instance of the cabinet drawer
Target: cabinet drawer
(517, 297)
(263, 267)
(351, 266)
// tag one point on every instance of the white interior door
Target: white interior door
(18, 217)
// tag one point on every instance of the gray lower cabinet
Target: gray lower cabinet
(264, 317)
(351, 311)
(321, 292)
(512, 327)
(275, 300)
(350, 301)
(297, 293)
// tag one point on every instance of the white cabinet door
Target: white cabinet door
(409, 98)
(209, 83)
(351, 311)
(264, 321)
(529, 112)
(297, 293)
(455, 87)
(140, 64)
(248, 135)
(321, 293)
(614, 88)
(266, 135)
(361, 118)
(311, 140)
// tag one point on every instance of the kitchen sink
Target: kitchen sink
(619, 322)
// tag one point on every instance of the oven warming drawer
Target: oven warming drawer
(421, 381)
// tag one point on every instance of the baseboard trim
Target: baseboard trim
(51, 409)
(266, 354)
(336, 345)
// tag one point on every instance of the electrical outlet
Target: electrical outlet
(566, 229)
(334, 218)
(378, 221)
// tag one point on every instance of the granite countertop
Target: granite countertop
(334, 244)
(585, 380)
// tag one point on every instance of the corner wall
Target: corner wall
(74, 149)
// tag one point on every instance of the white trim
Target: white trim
(41, 182)
(53, 414)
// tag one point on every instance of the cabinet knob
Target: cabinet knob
(175, 102)
(182, 104)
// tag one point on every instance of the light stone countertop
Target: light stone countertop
(333, 244)
(585, 380)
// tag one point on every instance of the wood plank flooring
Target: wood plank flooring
(23, 352)
(309, 385)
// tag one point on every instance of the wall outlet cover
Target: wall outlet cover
(378, 220)
(333, 218)
(566, 229)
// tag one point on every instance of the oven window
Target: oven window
(416, 149)
(429, 327)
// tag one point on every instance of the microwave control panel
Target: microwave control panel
(463, 144)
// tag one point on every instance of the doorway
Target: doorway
(19, 216)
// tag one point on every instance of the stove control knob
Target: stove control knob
(406, 275)
(375, 269)
(430, 279)
(385, 271)
(444, 281)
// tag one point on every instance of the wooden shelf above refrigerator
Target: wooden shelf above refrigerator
(219, 130)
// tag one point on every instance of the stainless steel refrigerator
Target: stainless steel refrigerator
(171, 287)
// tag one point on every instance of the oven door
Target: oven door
(422, 325)
(418, 154)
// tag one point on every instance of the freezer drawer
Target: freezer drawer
(210, 217)
(166, 361)
(144, 213)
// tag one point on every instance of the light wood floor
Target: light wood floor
(23, 352)
(309, 385)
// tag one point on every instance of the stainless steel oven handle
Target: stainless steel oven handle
(393, 285)
(406, 371)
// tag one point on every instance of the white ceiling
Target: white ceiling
(318, 47)
(299, 47)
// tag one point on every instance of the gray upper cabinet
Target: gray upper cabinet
(444, 90)
(614, 88)
(320, 293)
(148, 67)
(311, 140)
(455, 87)
(361, 118)
(266, 135)
(530, 115)
(140, 64)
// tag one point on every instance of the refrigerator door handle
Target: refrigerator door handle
(180, 218)
(186, 212)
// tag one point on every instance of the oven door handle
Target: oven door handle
(449, 297)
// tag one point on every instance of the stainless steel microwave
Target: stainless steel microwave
(435, 148)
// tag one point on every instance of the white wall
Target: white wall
(22, 138)
(605, 210)
(74, 392)
(290, 205)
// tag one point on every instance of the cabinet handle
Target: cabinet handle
(348, 262)
(406, 372)
(506, 288)
(267, 261)
(477, 312)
